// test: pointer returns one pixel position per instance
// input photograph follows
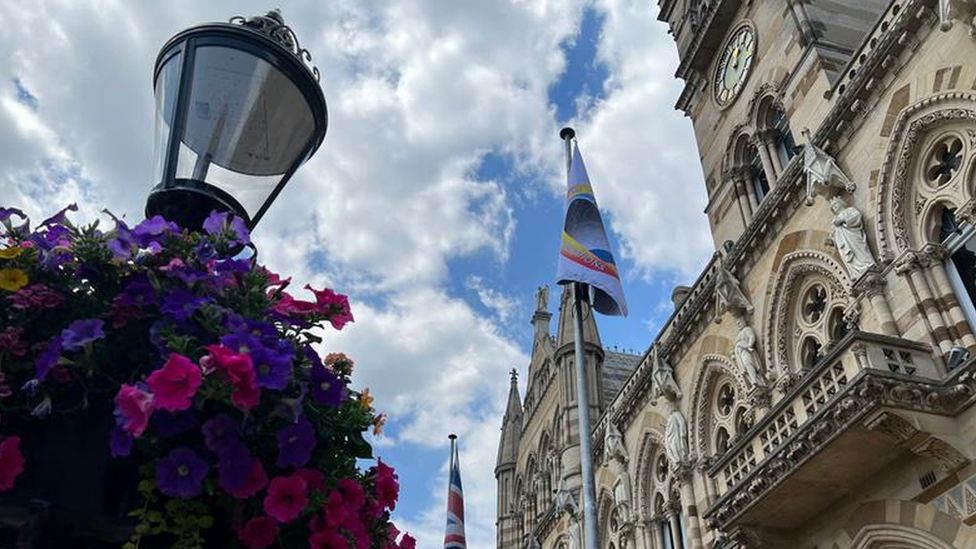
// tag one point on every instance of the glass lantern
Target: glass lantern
(238, 110)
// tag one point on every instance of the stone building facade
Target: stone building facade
(814, 387)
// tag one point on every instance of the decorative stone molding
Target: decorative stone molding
(855, 401)
(896, 220)
(713, 367)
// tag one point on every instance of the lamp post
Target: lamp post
(238, 110)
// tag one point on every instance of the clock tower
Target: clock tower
(756, 74)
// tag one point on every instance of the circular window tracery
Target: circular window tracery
(726, 399)
(943, 161)
(661, 470)
(814, 304)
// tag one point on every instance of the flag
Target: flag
(454, 534)
(584, 254)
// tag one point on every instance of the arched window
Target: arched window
(775, 136)
(959, 241)
(749, 164)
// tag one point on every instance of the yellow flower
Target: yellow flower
(10, 253)
(366, 399)
(378, 423)
(12, 279)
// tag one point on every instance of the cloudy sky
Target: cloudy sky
(435, 201)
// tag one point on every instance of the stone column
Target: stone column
(689, 504)
(767, 162)
(959, 326)
(742, 200)
(743, 174)
(872, 285)
(910, 266)
(704, 464)
(769, 143)
(675, 528)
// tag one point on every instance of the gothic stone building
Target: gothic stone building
(814, 387)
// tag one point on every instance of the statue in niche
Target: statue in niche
(728, 294)
(822, 170)
(849, 238)
(745, 354)
(542, 298)
(662, 378)
(676, 439)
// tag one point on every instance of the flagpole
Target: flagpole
(582, 400)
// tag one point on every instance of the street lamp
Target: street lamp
(238, 110)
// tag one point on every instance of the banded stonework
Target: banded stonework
(847, 418)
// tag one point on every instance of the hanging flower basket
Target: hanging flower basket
(156, 391)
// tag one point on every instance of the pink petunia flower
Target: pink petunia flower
(314, 479)
(240, 370)
(287, 497)
(387, 485)
(259, 532)
(174, 385)
(133, 408)
(11, 462)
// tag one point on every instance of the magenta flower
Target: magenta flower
(287, 497)
(259, 532)
(175, 383)
(11, 462)
(387, 485)
(254, 481)
(180, 474)
(333, 305)
(133, 408)
(240, 370)
(36, 297)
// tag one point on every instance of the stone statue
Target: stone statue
(676, 439)
(822, 170)
(746, 356)
(848, 235)
(542, 298)
(615, 457)
(728, 295)
(613, 445)
(662, 378)
(565, 501)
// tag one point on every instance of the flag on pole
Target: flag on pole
(454, 534)
(584, 254)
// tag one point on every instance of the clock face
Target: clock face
(734, 66)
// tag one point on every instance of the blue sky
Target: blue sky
(435, 201)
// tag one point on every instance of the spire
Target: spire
(564, 335)
(511, 426)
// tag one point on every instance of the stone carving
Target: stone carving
(822, 170)
(849, 238)
(746, 356)
(662, 378)
(615, 457)
(728, 295)
(542, 298)
(565, 501)
(676, 439)
(532, 542)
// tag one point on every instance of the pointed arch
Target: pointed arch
(652, 443)
(796, 274)
(899, 219)
(714, 370)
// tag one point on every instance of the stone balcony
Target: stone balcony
(870, 400)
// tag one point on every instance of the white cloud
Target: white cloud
(418, 93)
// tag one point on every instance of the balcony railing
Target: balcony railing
(862, 373)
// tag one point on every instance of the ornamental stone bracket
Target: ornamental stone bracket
(840, 413)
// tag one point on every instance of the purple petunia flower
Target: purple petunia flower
(180, 474)
(152, 230)
(60, 218)
(295, 444)
(168, 424)
(327, 388)
(82, 332)
(120, 443)
(180, 304)
(273, 365)
(234, 465)
(221, 432)
(48, 358)
(218, 222)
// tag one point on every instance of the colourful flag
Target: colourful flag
(584, 255)
(454, 534)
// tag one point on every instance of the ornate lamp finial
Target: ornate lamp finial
(272, 24)
(513, 375)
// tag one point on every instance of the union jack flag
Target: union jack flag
(454, 534)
